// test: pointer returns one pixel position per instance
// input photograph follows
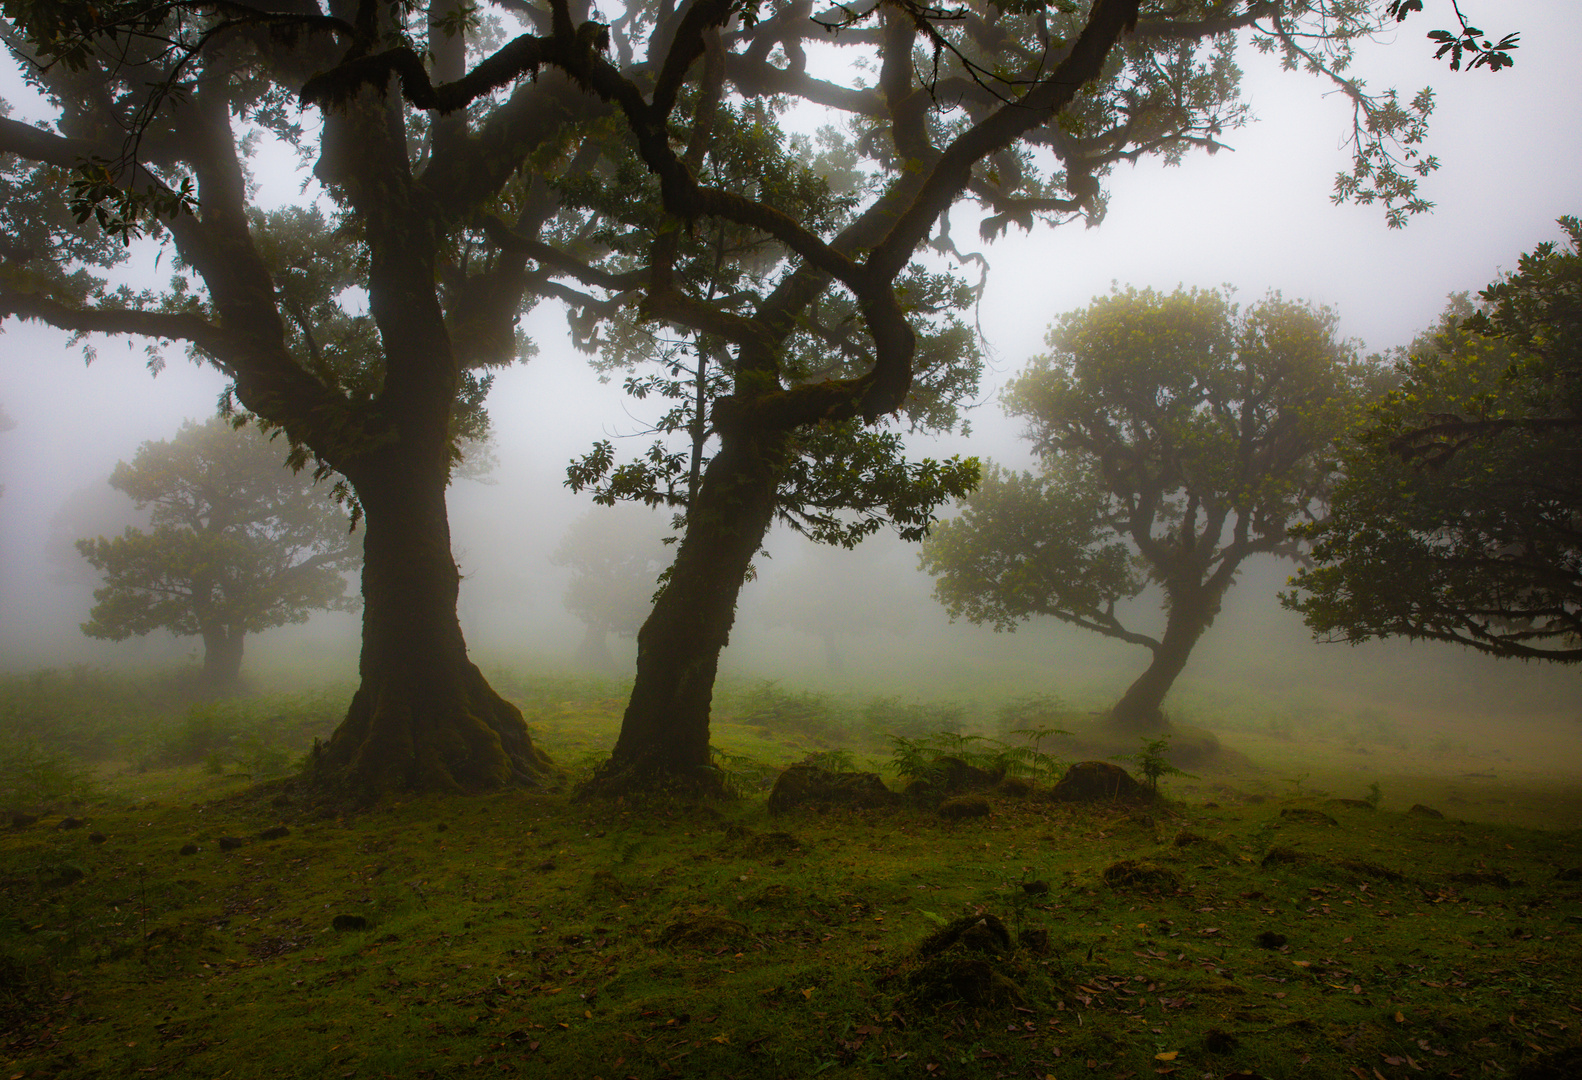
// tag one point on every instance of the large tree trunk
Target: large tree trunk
(594, 652)
(1140, 709)
(664, 741)
(424, 717)
(222, 659)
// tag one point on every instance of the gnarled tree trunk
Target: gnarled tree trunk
(423, 717)
(664, 741)
(1191, 611)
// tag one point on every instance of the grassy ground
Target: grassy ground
(1247, 926)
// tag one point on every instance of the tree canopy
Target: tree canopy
(236, 545)
(1178, 436)
(616, 556)
(1458, 515)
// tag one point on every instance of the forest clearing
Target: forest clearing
(185, 921)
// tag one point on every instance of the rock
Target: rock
(278, 832)
(1131, 873)
(1035, 888)
(349, 922)
(1271, 940)
(189, 849)
(809, 785)
(1350, 804)
(231, 843)
(97, 838)
(1014, 787)
(1186, 838)
(1035, 940)
(964, 806)
(1098, 781)
(989, 935)
(71, 823)
(1419, 810)
(1317, 817)
(1284, 856)
(63, 875)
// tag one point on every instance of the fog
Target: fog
(1258, 218)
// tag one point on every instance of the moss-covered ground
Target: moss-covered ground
(191, 922)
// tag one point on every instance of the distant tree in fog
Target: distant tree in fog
(237, 543)
(6, 424)
(1178, 436)
(616, 555)
(1458, 516)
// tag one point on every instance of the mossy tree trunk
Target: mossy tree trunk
(1192, 607)
(222, 659)
(664, 740)
(423, 717)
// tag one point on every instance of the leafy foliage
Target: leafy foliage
(1179, 436)
(1152, 761)
(237, 544)
(1457, 515)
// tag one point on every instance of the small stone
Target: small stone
(189, 849)
(231, 843)
(1270, 940)
(278, 832)
(1419, 810)
(349, 922)
(71, 823)
(97, 838)
(1035, 888)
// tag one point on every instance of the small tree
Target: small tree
(1179, 436)
(237, 544)
(616, 555)
(1459, 513)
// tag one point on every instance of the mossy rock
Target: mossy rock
(964, 806)
(1014, 787)
(1350, 804)
(811, 786)
(1419, 810)
(1135, 874)
(1099, 781)
(1315, 817)
(709, 931)
(983, 933)
(1284, 856)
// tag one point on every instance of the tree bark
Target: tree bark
(1140, 709)
(664, 740)
(222, 659)
(423, 717)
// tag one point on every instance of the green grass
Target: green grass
(523, 934)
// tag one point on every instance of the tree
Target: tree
(236, 545)
(1458, 515)
(1178, 435)
(616, 557)
(456, 159)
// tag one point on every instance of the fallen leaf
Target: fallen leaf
(1400, 1018)
(1168, 1055)
(808, 993)
(1391, 1060)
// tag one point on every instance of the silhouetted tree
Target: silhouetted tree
(236, 544)
(1458, 515)
(1178, 435)
(616, 556)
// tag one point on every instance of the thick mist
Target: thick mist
(1258, 218)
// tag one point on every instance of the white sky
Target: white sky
(1259, 218)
